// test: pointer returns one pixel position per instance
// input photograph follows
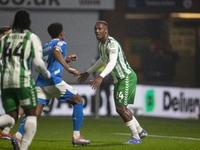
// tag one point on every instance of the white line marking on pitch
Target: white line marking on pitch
(171, 137)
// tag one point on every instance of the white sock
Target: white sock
(132, 127)
(76, 134)
(138, 127)
(30, 128)
(18, 135)
(6, 121)
(6, 130)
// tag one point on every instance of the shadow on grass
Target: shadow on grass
(105, 145)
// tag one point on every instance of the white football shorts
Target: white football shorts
(61, 91)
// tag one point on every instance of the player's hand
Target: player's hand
(71, 58)
(83, 77)
(96, 82)
(74, 71)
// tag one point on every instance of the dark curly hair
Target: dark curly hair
(54, 29)
(22, 20)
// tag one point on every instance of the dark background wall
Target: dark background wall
(175, 41)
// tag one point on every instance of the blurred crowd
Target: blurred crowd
(159, 62)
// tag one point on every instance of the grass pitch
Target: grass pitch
(108, 133)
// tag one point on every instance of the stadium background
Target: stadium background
(170, 28)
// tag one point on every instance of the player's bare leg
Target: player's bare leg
(21, 112)
(126, 115)
(39, 110)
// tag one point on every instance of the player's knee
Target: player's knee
(77, 99)
(120, 109)
(30, 111)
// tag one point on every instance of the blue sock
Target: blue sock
(21, 127)
(77, 116)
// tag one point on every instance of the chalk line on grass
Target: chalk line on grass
(161, 136)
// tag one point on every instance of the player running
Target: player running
(54, 55)
(124, 78)
(17, 85)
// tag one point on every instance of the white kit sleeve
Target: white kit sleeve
(40, 67)
(96, 66)
(37, 60)
(113, 54)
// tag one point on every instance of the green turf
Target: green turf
(55, 133)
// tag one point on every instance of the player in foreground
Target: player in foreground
(124, 79)
(54, 55)
(17, 86)
(5, 133)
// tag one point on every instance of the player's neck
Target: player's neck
(104, 39)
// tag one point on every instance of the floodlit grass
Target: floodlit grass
(108, 133)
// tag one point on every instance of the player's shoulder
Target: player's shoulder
(112, 42)
(61, 43)
(33, 35)
(58, 41)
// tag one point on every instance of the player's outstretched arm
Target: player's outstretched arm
(59, 57)
(83, 77)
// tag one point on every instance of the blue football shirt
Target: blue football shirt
(54, 67)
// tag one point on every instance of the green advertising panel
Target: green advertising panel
(149, 100)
